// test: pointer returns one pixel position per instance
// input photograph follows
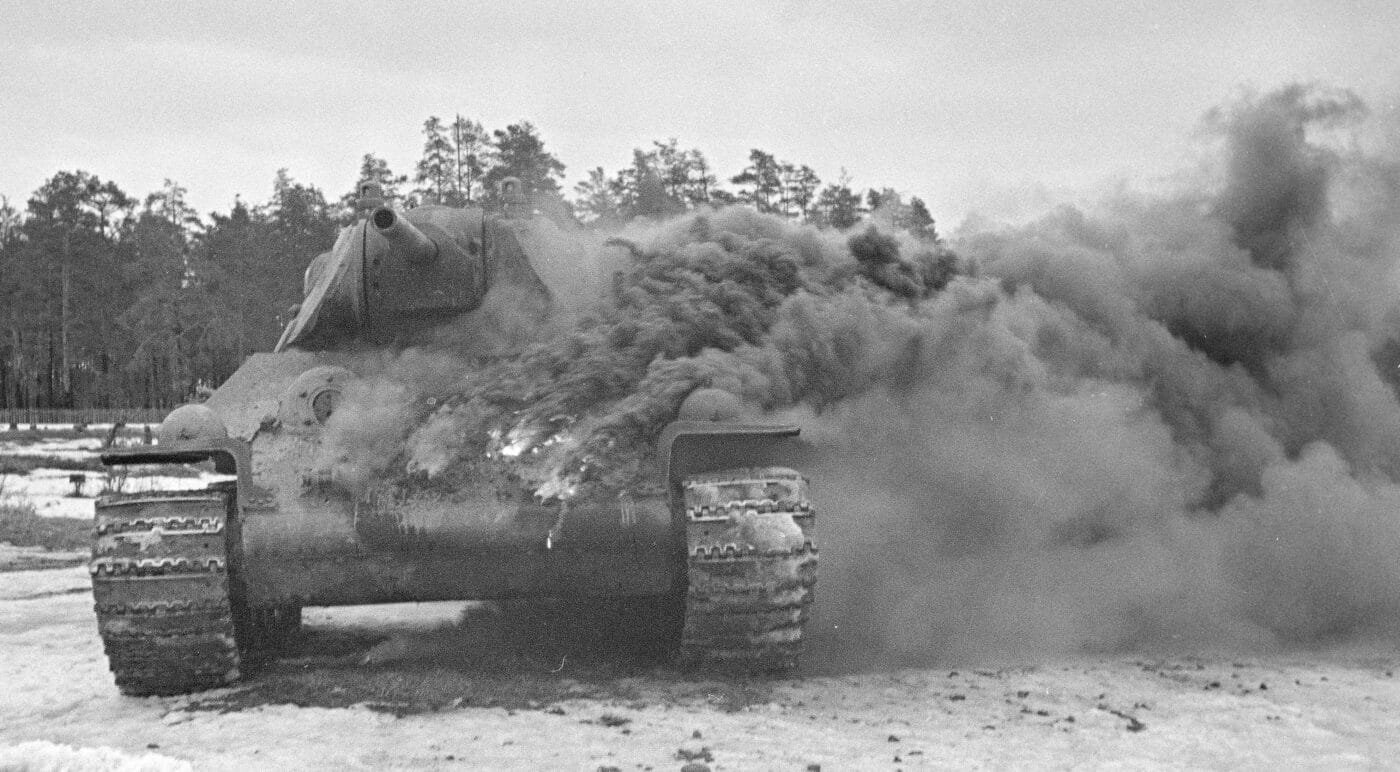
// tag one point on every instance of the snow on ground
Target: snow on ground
(60, 442)
(68, 427)
(14, 558)
(1322, 710)
(51, 492)
(41, 756)
(24, 585)
(74, 448)
(59, 709)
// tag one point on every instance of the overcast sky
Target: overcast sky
(970, 104)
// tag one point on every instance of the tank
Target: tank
(194, 587)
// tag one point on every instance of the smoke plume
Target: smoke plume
(1164, 421)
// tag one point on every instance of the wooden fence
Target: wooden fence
(26, 417)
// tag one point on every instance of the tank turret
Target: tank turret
(394, 276)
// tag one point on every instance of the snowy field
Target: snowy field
(58, 447)
(59, 710)
(52, 492)
(1337, 710)
(64, 440)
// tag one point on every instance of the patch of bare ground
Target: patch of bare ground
(20, 559)
(18, 465)
(64, 541)
(515, 656)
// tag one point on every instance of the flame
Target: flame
(558, 486)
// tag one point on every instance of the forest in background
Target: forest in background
(113, 301)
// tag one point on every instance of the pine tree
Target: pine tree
(799, 190)
(920, 221)
(598, 200)
(470, 152)
(653, 198)
(838, 206)
(12, 363)
(520, 153)
(435, 169)
(763, 183)
(166, 322)
(700, 181)
(373, 169)
(230, 255)
(299, 226)
(70, 256)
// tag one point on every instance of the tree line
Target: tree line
(108, 300)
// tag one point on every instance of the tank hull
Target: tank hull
(311, 537)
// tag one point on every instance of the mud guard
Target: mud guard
(230, 456)
(688, 448)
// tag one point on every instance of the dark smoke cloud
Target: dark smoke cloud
(692, 305)
(1165, 421)
(1174, 423)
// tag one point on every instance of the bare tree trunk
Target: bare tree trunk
(457, 152)
(177, 366)
(51, 375)
(65, 383)
(17, 342)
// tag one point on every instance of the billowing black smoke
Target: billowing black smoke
(711, 300)
(1168, 421)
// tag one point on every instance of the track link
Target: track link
(751, 569)
(165, 601)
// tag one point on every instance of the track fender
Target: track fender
(230, 456)
(688, 448)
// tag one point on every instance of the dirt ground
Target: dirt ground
(420, 687)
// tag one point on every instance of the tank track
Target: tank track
(751, 567)
(170, 607)
(165, 600)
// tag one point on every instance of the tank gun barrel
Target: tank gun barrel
(403, 237)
